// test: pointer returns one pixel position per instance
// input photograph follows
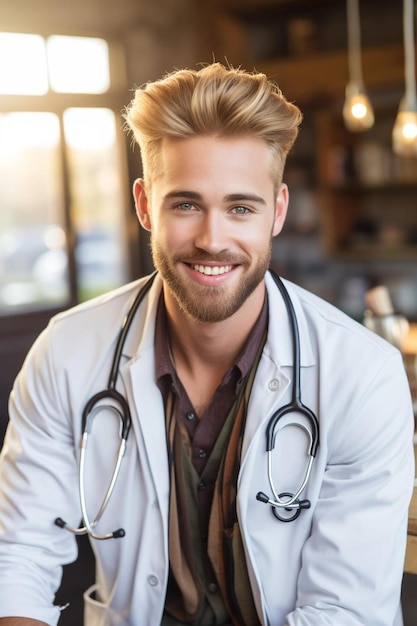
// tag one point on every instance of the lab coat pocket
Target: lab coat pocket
(97, 613)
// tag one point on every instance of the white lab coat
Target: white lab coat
(339, 563)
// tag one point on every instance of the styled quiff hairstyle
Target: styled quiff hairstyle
(213, 101)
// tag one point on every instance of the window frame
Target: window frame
(55, 102)
(19, 328)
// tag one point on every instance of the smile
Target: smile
(215, 270)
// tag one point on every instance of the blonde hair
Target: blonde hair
(215, 100)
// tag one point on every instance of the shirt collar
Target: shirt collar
(164, 365)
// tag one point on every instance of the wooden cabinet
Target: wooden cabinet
(367, 194)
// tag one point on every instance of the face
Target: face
(212, 213)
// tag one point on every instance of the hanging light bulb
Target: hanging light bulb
(404, 134)
(357, 110)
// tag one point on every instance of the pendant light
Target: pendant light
(404, 134)
(357, 110)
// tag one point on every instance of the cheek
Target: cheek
(260, 238)
(166, 235)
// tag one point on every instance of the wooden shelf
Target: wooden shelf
(323, 75)
(377, 252)
(244, 8)
(363, 218)
(369, 188)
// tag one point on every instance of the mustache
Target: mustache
(199, 256)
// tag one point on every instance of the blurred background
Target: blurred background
(68, 229)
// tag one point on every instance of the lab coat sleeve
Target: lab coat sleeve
(38, 482)
(353, 561)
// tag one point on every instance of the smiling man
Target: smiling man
(237, 502)
(212, 213)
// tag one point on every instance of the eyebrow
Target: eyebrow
(233, 197)
(192, 195)
(251, 197)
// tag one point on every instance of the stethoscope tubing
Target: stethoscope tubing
(292, 501)
(286, 500)
(89, 526)
(126, 325)
(295, 404)
(119, 404)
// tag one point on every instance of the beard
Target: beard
(209, 304)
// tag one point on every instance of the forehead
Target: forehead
(209, 157)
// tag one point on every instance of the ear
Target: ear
(141, 203)
(281, 207)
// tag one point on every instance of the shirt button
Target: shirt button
(202, 454)
(274, 384)
(190, 416)
(212, 587)
(202, 485)
(152, 580)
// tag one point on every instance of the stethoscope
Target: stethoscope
(111, 399)
(119, 406)
(287, 506)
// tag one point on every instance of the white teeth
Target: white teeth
(208, 270)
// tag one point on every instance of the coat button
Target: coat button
(152, 580)
(274, 384)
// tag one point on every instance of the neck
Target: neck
(206, 351)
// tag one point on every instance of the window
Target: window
(62, 206)
(33, 258)
(26, 70)
(96, 195)
(78, 64)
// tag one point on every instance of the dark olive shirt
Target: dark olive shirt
(204, 429)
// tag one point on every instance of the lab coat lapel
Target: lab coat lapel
(148, 422)
(145, 400)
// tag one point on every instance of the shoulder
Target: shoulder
(90, 328)
(330, 337)
(100, 312)
(328, 322)
(360, 377)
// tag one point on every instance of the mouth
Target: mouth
(212, 270)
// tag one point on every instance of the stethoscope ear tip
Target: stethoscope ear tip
(262, 497)
(118, 534)
(60, 522)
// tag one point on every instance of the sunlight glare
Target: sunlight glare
(25, 71)
(89, 129)
(20, 131)
(78, 64)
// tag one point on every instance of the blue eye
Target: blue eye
(241, 210)
(186, 206)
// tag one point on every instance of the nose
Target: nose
(212, 234)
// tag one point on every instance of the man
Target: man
(205, 364)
